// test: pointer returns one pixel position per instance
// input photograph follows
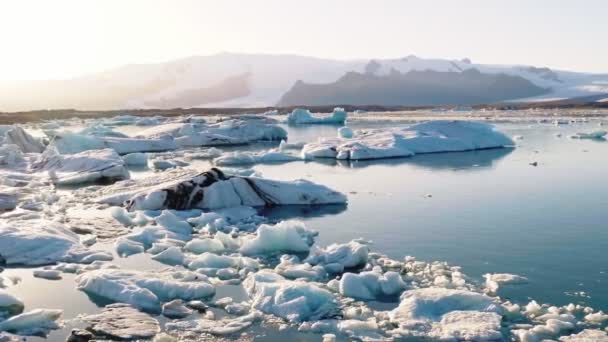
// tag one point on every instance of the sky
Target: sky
(41, 39)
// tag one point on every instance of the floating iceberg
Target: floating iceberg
(35, 322)
(9, 304)
(135, 159)
(371, 285)
(83, 167)
(69, 143)
(286, 236)
(429, 137)
(337, 257)
(295, 301)
(229, 132)
(593, 135)
(41, 242)
(441, 313)
(26, 143)
(214, 190)
(122, 321)
(145, 290)
(246, 158)
(301, 116)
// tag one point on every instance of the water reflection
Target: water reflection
(287, 212)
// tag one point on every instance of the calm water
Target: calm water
(489, 211)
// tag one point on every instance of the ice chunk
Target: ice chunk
(145, 290)
(371, 285)
(121, 215)
(301, 116)
(447, 314)
(213, 261)
(135, 159)
(347, 255)
(596, 318)
(9, 304)
(214, 190)
(494, 281)
(40, 242)
(592, 135)
(290, 267)
(122, 321)
(48, 274)
(246, 158)
(171, 222)
(224, 326)
(200, 246)
(170, 256)
(125, 247)
(292, 300)
(87, 166)
(67, 143)
(176, 309)
(429, 137)
(11, 155)
(345, 132)
(286, 236)
(26, 143)
(35, 322)
(587, 335)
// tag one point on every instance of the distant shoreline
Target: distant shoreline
(7, 118)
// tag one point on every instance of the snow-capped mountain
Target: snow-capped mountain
(253, 80)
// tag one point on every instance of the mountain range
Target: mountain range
(259, 80)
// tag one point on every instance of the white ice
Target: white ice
(428, 137)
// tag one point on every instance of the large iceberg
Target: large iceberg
(68, 143)
(214, 190)
(145, 290)
(26, 143)
(428, 137)
(301, 116)
(41, 242)
(86, 166)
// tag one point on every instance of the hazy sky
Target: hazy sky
(63, 38)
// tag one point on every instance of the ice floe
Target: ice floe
(122, 321)
(19, 137)
(598, 135)
(82, 167)
(35, 322)
(42, 242)
(428, 137)
(145, 290)
(214, 190)
(292, 300)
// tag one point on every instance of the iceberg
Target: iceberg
(286, 236)
(135, 159)
(441, 313)
(598, 135)
(35, 322)
(428, 137)
(337, 257)
(26, 143)
(294, 301)
(41, 242)
(246, 158)
(145, 290)
(301, 116)
(215, 190)
(82, 167)
(9, 304)
(69, 143)
(371, 285)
